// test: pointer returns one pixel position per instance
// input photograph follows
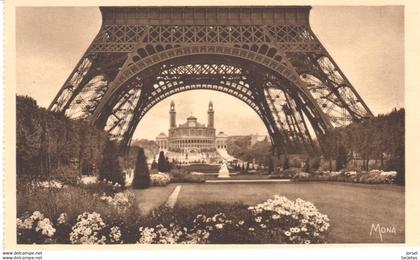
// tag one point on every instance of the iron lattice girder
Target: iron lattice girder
(131, 41)
(125, 38)
(174, 78)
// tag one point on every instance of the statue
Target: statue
(223, 172)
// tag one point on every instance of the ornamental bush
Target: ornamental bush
(162, 163)
(278, 220)
(34, 229)
(160, 179)
(51, 144)
(89, 229)
(141, 173)
(110, 168)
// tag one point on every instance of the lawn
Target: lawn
(152, 197)
(352, 208)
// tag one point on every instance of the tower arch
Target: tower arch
(266, 56)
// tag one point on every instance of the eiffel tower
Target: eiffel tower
(268, 57)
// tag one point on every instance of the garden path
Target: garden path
(153, 197)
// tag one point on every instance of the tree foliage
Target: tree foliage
(341, 160)
(379, 138)
(162, 163)
(110, 168)
(150, 147)
(141, 173)
(240, 147)
(49, 143)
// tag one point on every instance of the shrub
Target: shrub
(341, 159)
(102, 187)
(286, 163)
(75, 200)
(285, 174)
(89, 229)
(162, 164)
(398, 165)
(289, 221)
(277, 220)
(315, 163)
(34, 229)
(270, 165)
(154, 165)
(160, 179)
(50, 144)
(110, 168)
(141, 173)
(372, 177)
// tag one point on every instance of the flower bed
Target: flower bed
(277, 220)
(371, 177)
(159, 179)
(49, 184)
(62, 207)
(88, 179)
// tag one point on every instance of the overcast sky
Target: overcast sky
(366, 42)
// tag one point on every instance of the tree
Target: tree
(243, 169)
(154, 164)
(270, 165)
(162, 165)
(286, 163)
(110, 168)
(141, 172)
(168, 165)
(341, 160)
(306, 165)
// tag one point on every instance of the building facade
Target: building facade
(191, 136)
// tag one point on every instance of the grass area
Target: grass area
(352, 208)
(152, 197)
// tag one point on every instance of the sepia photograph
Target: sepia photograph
(210, 125)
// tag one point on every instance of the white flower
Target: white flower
(46, 228)
(48, 184)
(115, 235)
(37, 216)
(287, 233)
(28, 223)
(19, 223)
(160, 179)
(241, 222)
(62, 219)
(87, 229)
(219, 226)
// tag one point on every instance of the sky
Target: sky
(367, 43)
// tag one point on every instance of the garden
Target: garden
(73, 188)
(106, 213)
